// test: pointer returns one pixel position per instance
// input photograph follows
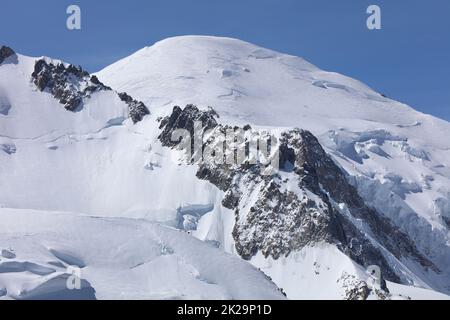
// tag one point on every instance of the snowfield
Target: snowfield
(92, 188)
(119, 258)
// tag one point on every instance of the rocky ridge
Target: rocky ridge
(307, 201)
(71, 85)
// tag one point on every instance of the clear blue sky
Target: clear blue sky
(409, 59)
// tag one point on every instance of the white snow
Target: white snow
(307, 274)
(120, 258)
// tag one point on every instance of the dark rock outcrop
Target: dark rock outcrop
(325, 208)
(136, 109)
(70, 85)
(356, 289)
(185, 119)
(5, 53)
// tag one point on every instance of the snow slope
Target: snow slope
(307, 275)
(119, 259)
(87, 160)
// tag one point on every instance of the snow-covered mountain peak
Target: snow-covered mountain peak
(60, 131)
(396, 156)
(211, 46)
(250, 83)
(366, 179)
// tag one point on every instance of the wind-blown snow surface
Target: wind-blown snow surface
(89, 162)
